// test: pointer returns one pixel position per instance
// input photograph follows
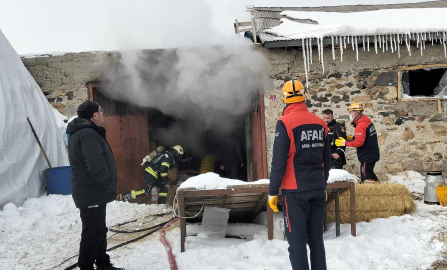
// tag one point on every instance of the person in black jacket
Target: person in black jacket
(93, 179)
(156, 174)
(300, 167)
(336, 130)
(230, 157)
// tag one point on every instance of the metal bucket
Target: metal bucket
(432, 179)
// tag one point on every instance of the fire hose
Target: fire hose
(165, 242)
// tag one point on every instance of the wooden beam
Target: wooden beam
(261, 202)
(195, 193)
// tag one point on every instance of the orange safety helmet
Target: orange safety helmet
(293, 91)
(355, 107)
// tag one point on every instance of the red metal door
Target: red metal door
(127, 135)
(258, 141)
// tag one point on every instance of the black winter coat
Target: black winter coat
(336, 131)
(93, 169)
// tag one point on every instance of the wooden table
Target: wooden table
(243, 200)
(334, 191)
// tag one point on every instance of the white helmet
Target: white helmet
(179, 149)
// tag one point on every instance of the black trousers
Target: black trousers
(150, 181)
(303, 221)
(231, 171)
(367, 171)
(94, 237)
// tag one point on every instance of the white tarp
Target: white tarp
(21, 161)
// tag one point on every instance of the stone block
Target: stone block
(387, 79)
(392, 92)
(413, 164)
(381, 139)
(335, 99)
(270, 138)
(361, 98)
(369, 83)
(394, 167)
(71, 110)
(408, 134)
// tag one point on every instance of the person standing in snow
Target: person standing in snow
(93, 179)
(336, 130)
(300, 166)
(365, 140)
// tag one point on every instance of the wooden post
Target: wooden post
(38, 142)
(269, 222)
(352, 206)
(337, 214)
(182, 221)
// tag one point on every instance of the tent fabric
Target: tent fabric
(22, 163)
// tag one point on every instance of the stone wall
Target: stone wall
(64, 78)
(412, 134)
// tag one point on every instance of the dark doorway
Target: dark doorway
(427, 82)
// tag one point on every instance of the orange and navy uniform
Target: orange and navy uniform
(365, 140)
(301, 152)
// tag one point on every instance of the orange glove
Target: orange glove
(326, 194)
(273, 202)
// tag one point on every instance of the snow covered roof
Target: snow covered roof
(270, 17)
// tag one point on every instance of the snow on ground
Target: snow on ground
(45, 231)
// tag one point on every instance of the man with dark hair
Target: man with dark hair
(338, 159)
(93, 179)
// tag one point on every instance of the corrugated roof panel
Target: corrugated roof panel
(267, 17)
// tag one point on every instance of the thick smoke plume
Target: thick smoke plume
(206, 82)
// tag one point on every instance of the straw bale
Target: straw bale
(374, 201)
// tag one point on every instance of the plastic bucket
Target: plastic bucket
(58, 180)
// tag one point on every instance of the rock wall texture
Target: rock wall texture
(64, 78)
(412, 134)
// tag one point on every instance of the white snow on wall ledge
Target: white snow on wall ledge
(390, 29)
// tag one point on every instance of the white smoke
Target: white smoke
(199, 76)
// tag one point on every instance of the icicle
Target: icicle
(417, 43)
(319, 49)
(336, 39)
(341, 49)
(425, 38)
(443, 42)
(333, 48)
(395, 40)
(375, 43)
(363, 43)
(409, 45)
(398, 45)
(383, 45)
(303, 46)
(391, 44)
(322, 59)
(367, 40)
(352, 42)
(307, 53)
(356, 49)
(344, 42)
(380, 41)
(386, 42)
(310, 50)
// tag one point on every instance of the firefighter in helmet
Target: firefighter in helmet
(156, 174)
(365, 140)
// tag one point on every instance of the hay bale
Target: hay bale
(374, 201)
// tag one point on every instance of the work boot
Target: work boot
(369, 182)
(108, 267)
(127, 196)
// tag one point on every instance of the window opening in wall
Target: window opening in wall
(424, 82)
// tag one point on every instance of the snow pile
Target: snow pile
(338, 175)
(45, 231)
(388, 28)
(414, 181)
(214, 181)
